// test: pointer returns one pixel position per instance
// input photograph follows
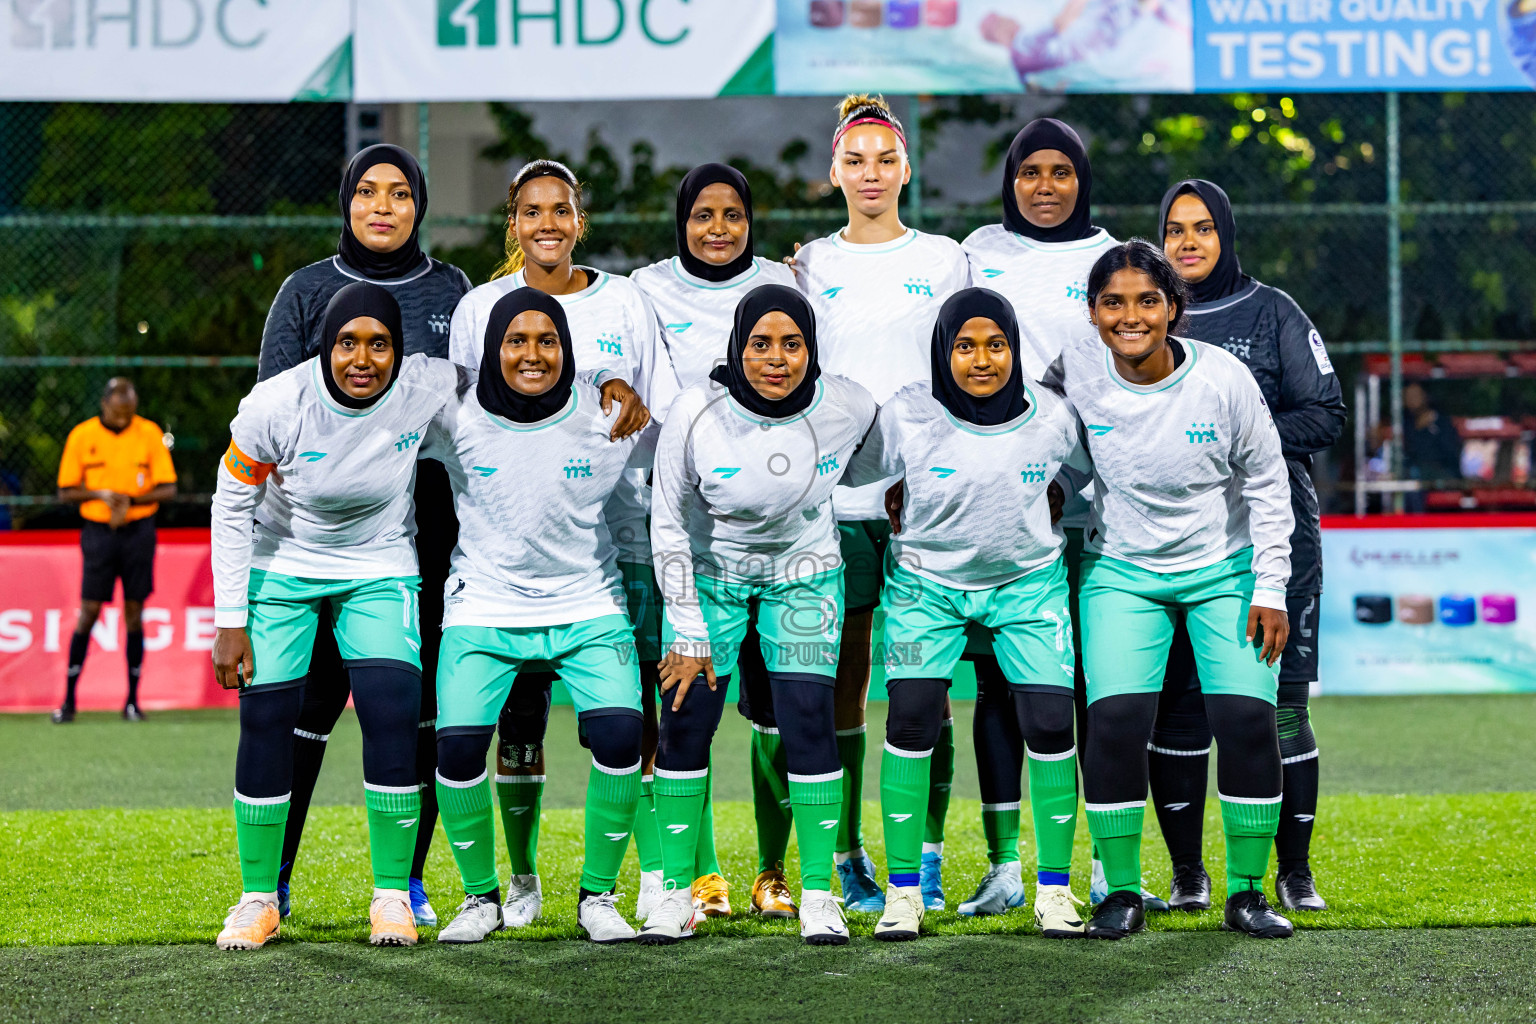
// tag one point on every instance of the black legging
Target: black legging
(801, 709)
(327, 687)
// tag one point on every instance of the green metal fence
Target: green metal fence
(149, 239)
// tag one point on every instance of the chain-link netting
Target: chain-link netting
(149, 239)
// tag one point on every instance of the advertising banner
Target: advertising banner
(1372, 45)
(1434, 606)
(40, 597)
(413, 50)
(971, 46)
(198, 50)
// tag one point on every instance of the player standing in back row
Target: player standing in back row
(876, 286)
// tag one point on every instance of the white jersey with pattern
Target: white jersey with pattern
(613, 328)
(1187, 471)
(533, 549)
(875, 310)
(695, 315)
(337, 503)
(746, 499)
(976, 514)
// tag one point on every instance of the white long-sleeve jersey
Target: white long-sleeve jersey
(741, 498)
(1047, 285)
(976, 514)
(613, 328)
(695, 315)
(1186, 471)
(533, 549)
(875, 309)
(337, 503)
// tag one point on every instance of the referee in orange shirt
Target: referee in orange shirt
(118, 468)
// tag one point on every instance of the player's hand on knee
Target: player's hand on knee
(1272, 628)
(633, 415)
(234, 664)
(678, 671)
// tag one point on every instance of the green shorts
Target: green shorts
(864, 544)
(1128, 616)
(644, 602)
(475, 668)
(1031, 628)
(978, 640)
(799, 624)
(375, 620)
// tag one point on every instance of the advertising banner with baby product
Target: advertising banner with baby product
(824, 47)
(1448, 606)
(1338, 45)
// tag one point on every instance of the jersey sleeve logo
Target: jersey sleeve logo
(1319, 352)
(244, 468)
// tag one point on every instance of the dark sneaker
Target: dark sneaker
(1191, 889)
(1250, 912)
(1119, 915)
(63, 715)
(131, 713)
(1297, 891)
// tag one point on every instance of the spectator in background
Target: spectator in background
(118, 468)
(1431, 444)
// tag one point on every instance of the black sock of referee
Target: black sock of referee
(135, 664)
(78, 643)
(1179, 755)
(1298, 754)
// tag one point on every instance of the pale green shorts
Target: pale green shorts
(1028, 619)
(799, 624)
(1128, 616)
(596, 661)
(375, 620)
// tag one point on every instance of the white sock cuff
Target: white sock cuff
(371, 788)
(766, 730)
(618, 771)
(1126, 806)
(1170, 752)
(1309, 755)
(1069, 752)
(805, 779)
(907, 753)
(853, 732)
(1248, 799)
(1012, 805)
(301, 734)
(260, 801)
(472, 783)
(663, 773)
(514, 780)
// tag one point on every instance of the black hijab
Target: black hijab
(694, 182)
(1008, 402)
(360, 298)
(1226, 277)
(1048, 133)
(732, 374)
(382, 266)
(495, 394)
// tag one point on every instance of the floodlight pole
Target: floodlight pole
(423, 157)
(1395, 288)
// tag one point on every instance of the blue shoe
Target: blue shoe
(284, 908)
(860, 892)
(931, 881)
(422, 910)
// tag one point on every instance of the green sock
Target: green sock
(394, 815)
(1000, 822)
(611, 800)
(1250, 825)
(850, 753)
(905, 790)
(259, 834)
(1053, 806)
(815, 802)
(941, 779)
(679, 801)
(705, 860)
(1117, 830)
(521, 797)
(466, 812)
(770, 798)
(647, 839)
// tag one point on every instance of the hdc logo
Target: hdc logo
(61, 25)
(593, 22)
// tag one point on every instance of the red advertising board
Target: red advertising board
(40, 598)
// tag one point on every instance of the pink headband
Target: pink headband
(868, 120)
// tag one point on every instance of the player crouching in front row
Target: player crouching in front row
(311, 506)
(534, 579)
